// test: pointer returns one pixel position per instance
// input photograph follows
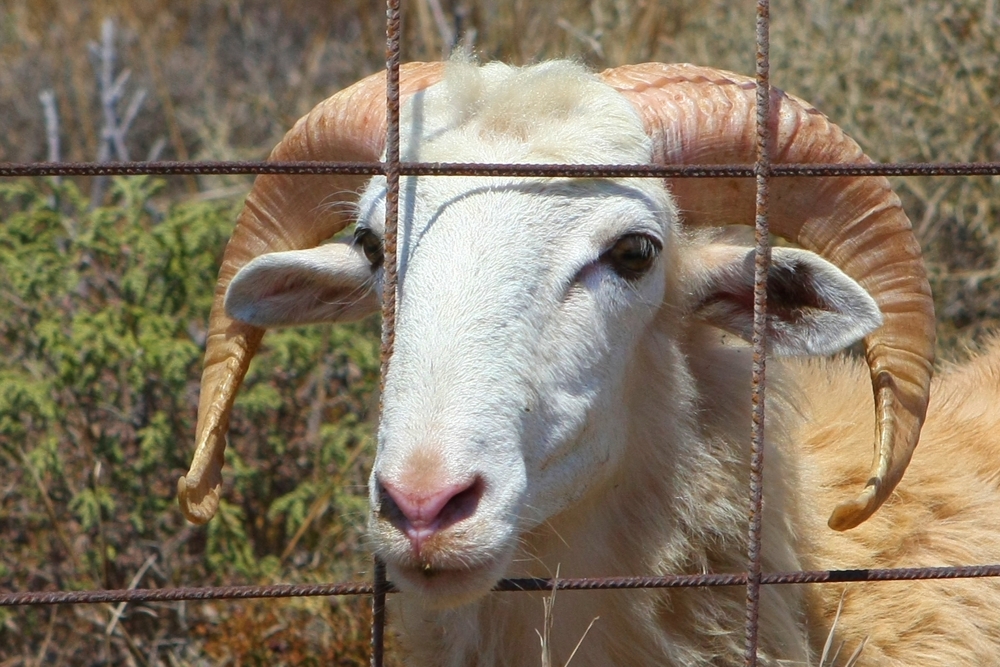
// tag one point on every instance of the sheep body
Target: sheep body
(939, 516)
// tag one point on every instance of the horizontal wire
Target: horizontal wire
(505, 585)
(162, 168)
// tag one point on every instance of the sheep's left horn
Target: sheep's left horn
(697, 115)
(283, 212)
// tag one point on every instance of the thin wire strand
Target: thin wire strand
(505, 585)
(172, 168)
(762, 262)
(392, 174)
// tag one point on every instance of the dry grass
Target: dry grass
(225, 79)
(826, 659)
(548, 622)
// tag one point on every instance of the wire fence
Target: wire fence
(392, 168)
(230, 167)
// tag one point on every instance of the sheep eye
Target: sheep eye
(632, 255)
(370, 244)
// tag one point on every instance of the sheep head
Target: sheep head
(520, 300)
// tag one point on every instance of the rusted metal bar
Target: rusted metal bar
(392, 175)
(167, 168)
(391, 169)
(740, 578)
(184, 593)
(505, 585)
(379, 590)
(762, 262)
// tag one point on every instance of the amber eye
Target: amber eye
(632, 255)
(370, 244)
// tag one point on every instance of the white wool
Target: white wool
(555, 112)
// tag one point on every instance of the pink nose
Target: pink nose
(421, 513)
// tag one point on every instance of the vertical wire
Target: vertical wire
(391, 167)
(378, 615)
(762, 261)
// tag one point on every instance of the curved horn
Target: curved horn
(698, 115)
(283, 212)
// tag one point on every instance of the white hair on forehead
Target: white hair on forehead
(553, 112)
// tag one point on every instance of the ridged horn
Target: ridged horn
(283, 212)
(698, 115)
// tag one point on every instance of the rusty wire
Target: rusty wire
(762, 263)
(392, 175)
(147, 595)
(167, 167)
(392, 168)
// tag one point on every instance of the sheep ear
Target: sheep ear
(331, 283)
(813, 308)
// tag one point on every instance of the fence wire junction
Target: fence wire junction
(392, 168)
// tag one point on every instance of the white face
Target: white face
(519, 304)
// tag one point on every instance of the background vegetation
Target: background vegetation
(105, 285)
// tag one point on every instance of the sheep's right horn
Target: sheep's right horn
(284, 212)
(697, 115)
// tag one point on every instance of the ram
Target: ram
(569, 387)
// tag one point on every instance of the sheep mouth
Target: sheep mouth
(446, 584)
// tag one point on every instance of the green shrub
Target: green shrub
(101, 338)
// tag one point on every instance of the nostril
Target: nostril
(424, 512)
(461, 505)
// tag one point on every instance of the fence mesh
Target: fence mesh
(392, 168)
